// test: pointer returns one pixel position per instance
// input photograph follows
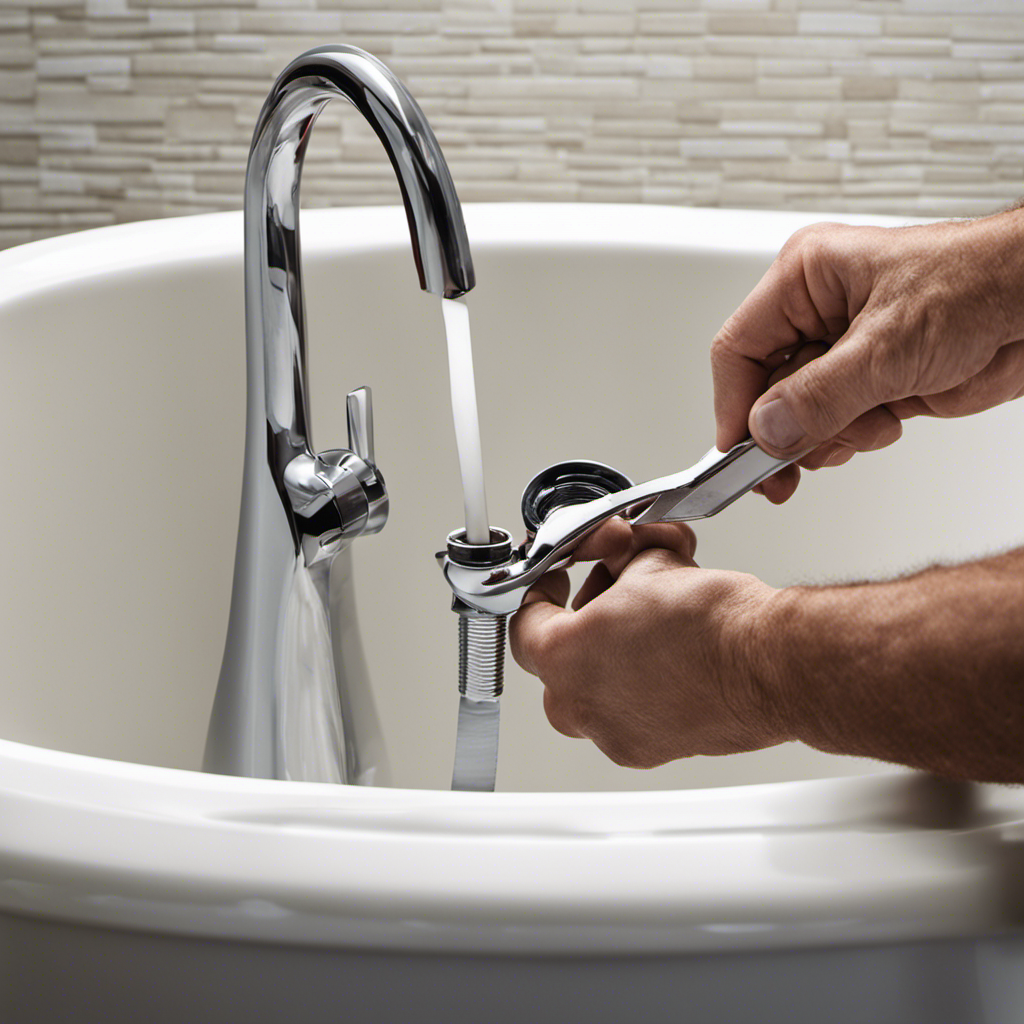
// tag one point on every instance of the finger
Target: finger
(616, 542)
(609, 540)
(821, 399)
(800, 358)
(827, 457)
(877, 428)
(782, 486)
(778, 315)
(840, 457)
(532, 629)
(652, 560)
(1000, 381)
(599, 580)
(552, 587)
(560, 720)
(820, 457)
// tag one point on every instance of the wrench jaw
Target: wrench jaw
(566, 502)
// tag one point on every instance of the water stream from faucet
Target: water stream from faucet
(467, 421)
(481, 637)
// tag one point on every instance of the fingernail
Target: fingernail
(776, 425)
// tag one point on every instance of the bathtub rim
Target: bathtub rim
(838, 861)
(33, 266)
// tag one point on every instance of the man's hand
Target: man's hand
(656, 659)
(854, 329)
(660, 660)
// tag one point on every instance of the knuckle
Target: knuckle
(689, 544)
(560, 648)
(819, 236)
(891, 434)
(812, 240)
(811, 398)
(625, 754)
(534, 647)
(583, 709)
(722, 343)
(656, 560)
(800, 240)
(564, 641)
(723, 350)
(729, 346)
(518, 641)
(618, 534)
(622, 757)
(570, 709)
(717, 345)
(540, 653)
(886, 361)
(895, 357)
(558, 714)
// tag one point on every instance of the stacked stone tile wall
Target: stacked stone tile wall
(115, 110)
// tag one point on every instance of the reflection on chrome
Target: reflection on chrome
(293, 700)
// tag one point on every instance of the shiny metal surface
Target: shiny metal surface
(476, 745)
(481, 668)
(293, 699)
(703, 490)
(712, 484)
(567, 483)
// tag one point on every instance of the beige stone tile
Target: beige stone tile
(197, 123)
(672, 23)
(799, 88)
(869, 87)
(144, 107)
(752, 24)
(55, 104)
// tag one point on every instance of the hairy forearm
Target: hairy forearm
(926, 671)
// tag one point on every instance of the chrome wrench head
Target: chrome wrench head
(560, 492)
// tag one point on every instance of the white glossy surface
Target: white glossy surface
(591, 326)
(798, 864)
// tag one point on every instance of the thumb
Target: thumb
(532, 628)
(818, 400)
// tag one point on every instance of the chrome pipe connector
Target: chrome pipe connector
(481, 654)
(481, 666)
(481, 634)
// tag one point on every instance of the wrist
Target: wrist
(829, 653)
(756, 638)
(994, 247)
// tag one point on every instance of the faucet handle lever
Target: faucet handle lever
(359, 407)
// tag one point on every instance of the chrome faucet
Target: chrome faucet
(293, 700)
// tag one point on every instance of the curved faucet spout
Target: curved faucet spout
(439, 242)
(293, 700)
(274, 291)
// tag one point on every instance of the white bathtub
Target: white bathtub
(785, 885)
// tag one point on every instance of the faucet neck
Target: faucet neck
(293, 700)
(275, 315)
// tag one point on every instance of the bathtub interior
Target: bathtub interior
(119, 529)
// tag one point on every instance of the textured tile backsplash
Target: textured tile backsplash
(114, 110)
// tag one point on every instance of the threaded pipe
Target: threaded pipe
(482, 655)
